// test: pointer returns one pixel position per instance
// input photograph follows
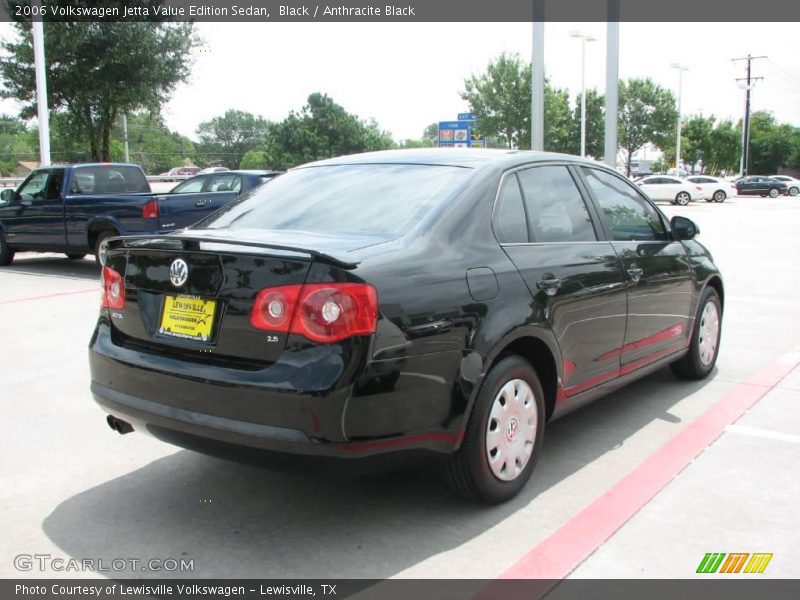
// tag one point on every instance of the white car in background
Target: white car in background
(671, 189)
(714, 188)
(791, 183)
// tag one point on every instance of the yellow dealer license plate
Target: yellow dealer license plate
(188, 317)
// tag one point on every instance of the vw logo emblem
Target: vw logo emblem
(511, 429)
(178, 272)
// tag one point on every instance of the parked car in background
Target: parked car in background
(792, 183)
(714, 189)
(224, 181)
(671, 189)
(761, 185)
(73, 209)
(214, 170)
(432, 306)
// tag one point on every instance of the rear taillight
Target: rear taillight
(150, 210)
(321, 312)
(113, 289)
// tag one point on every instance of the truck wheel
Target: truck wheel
(75, 256)
(503, 437)
(6, 253)
(99, 246)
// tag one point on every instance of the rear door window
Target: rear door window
(554, 206)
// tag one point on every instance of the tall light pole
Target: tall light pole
(40, 66)
(585, 37)
(681, 68)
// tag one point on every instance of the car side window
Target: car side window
(190, 186)
(510, 223)
(224, 183)
(554, 206)
(55, 183)
(34, 188)
(628, 215)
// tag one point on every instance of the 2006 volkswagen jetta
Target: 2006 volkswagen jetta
(371, 309)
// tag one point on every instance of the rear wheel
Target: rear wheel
(793, 191)
(704, 345)
(682, 199)
(720, 196)
(6, 252)
(99, 246)
(503, 437)
(773, 193)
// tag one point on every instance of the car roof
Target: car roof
(457, 157)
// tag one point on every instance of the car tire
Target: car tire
(720, 196)
(75, 256)
(683, 199)
(99, 243)
(509, 411)
(793, 191)
(704, 345)
(6, 252)
(774, 193)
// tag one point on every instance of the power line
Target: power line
(746, 129)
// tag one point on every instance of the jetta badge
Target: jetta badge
(178, 272)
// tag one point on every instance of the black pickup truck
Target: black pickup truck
(72, 209)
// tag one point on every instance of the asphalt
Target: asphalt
(72, 488)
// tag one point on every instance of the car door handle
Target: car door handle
(202, 203)
(635, 273)
(550, 285)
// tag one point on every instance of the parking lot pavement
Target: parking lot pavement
(75, 489)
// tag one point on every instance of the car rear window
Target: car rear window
(376, 199)
(111, 179)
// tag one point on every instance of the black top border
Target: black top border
(403, 10)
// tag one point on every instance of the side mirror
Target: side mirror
(684, 229)
(7, 195)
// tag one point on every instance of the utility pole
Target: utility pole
(746, 124)
(585, 37)
(612, 82)
(125, 134)
(681, 68)
(537, 77)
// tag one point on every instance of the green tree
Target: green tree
(771, 143)
(595, 125)
(228, 138)
(17, 143)
(151, 144)
(98, 71)
(500, 98)
(321, 129)
(647, 114)
(725, 142)
(254, 159)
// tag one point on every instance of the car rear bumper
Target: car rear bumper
(410, 417)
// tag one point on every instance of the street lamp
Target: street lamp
(585, 37)
(681, 68)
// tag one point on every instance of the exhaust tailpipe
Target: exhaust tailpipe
(118, 425)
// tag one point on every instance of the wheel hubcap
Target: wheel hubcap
(708, 334)
(719, 196)
(511, 430)
(683, 199)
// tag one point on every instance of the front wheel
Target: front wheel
(6, 252)
(773, 193)
(704, 345)
(682, 199)
(720, 196)
(503, 437)
(793, 191)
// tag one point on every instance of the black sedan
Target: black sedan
(761, 185)
(433, 306)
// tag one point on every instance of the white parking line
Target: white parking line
(763, 433)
